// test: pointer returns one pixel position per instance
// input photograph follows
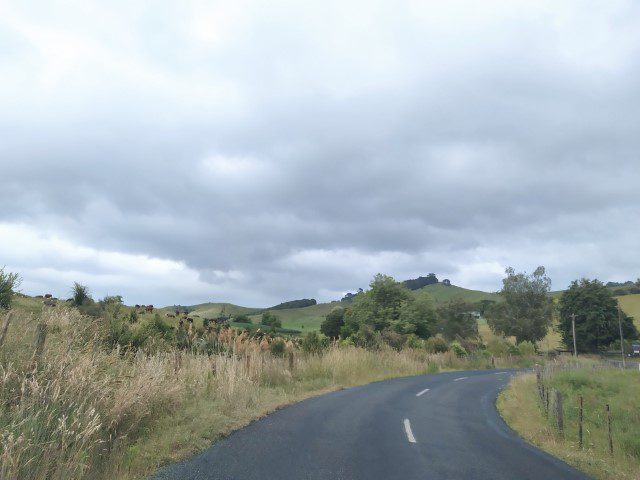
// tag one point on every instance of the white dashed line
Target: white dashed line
(461, 378)
(407, 430)
(499, 373)
(422, 392)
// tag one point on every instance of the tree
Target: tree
(526, 312)
(270, 320)
(242, 318)
(80, 294)
(456, 321)
(9, 282)
(596, 312)
(333, 323)
(389, 305)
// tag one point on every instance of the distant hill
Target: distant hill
(305, 302)
(440, 293)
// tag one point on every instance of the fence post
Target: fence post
(493, 362)
(609, 429)
(291, 361)
(41, 336)
(580, 425)
(5, 327)
(558, 410)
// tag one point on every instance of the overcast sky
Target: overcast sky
(261, 151)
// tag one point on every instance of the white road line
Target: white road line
(499, 373)
(407, 430)
(461, 378)
(422, 392)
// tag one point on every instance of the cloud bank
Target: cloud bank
(255, 152)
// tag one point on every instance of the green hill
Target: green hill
(631, 306)
(214, 310)
(443, 293)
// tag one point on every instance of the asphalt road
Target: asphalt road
(396, 429)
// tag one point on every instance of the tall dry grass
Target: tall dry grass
(85, 410)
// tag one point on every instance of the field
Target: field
(631, 306)
(620, 389)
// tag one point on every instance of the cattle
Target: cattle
(170, 315)
(48, 295)
(149, 308)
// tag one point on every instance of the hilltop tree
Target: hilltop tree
(526, 312)
(596, 312)
(456, 321)
(333, 322)
(80, 294)
(389, 305)
(9, 282)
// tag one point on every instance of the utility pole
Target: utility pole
(573, 328)
(624, 363)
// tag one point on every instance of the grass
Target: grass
(631, 306)
(519, 406)
(441, 293)
(86, 410)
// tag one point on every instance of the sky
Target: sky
(260, 151)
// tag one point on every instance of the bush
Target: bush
(242, 319)
(8, 284)
(526, 348)
(80, 294)
(270, 320)
(277, 347)
(436, 345)
(499, 347)
(415, 342)
(394, 339)
(458, 349)
(314, 343)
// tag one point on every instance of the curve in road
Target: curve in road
(442, 426)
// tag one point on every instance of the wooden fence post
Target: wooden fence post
(5, 327)
(580, 425)
(558, 411)
(41, 336)
(609, 429)
(291, 361)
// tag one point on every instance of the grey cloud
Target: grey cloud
(452, 150)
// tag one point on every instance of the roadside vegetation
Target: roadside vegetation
(97, 389)
(521, 408)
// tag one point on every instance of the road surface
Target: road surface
(442, 426)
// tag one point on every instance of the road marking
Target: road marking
(461, 378)
(407, 430)
(422, 392)
(499, 373)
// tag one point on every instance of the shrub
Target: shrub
(415, 342)
(241, 319)
(80, 294)
(458, 349)
(270, 320)
(314, 343)
(394, 339)
(526, 348)
(436, 345)
(499, 347)
(8, 284)
(277, 347)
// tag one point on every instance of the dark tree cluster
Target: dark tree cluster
(420, 282)
(596, 316)
(305, 302)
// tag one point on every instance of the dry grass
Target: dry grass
(84, 410)
(519, 406)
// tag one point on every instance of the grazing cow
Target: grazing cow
(48, 295)
(170, 315)
(149, 308)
